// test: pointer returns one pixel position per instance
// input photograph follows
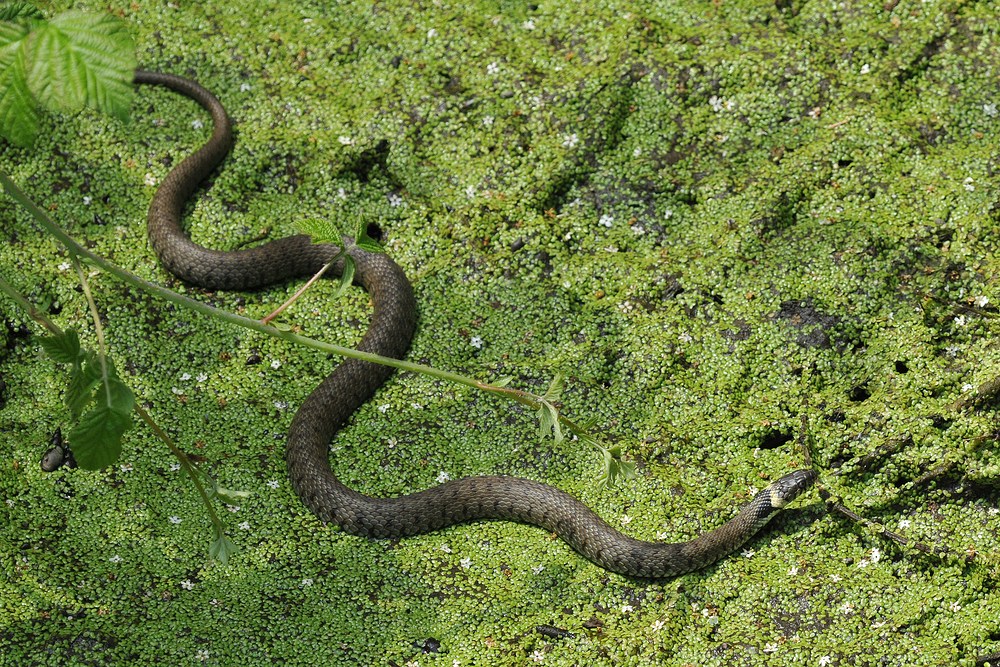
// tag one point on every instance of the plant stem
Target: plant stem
(189, 467)
(75, 248)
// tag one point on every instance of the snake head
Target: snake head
(790, 487)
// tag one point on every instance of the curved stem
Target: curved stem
(525, 398)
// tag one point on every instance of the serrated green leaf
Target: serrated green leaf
(13, 11)
(319, 231)
(79, 60)
(503, 381)
(122, 399)
(63, 349)
(346, 277)
(19, 116)
(615, 470)
(365, 242)
(554, 392)
(79, 391)
(548, 422)
(222, 548)
(97, 437)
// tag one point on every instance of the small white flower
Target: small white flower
(493, 68)
(115, 559)
(65, 266)
(466, 563)
(847, 608)
(307, 581)
(395, 200)
(968, 184)
(345, 140)
(982, 301)
(990, 109)
(638, 230)
(245, 525)
(126, 467)
(904, 523)
(476, 342)
(570, 140)
(835, 578)
(488, 121)
(445, 548)
(174, 519)
(185, 377)
(341, 193)
(538, 656)
(416, 406)
(668, 214)
(233, 508)
(273, 483)
(637, 151)
(383, 408)
(716, 103)
(876, 555)
(187, 584)
(770, 647)
(149, 179)
(865, 68)
(174, 467)
(528, 25)
(470, 192)
(432, 33)
(281, 405)
(606, 220)
(968, 387)
(197, 124)
(244, 87)
(793, 571)
(825, 660)
(952, 350)
(960, 320)
(86, 201)
(537, 569)
(955, 606)
(201, 655)
(176, 391)
(657, 625)
(626, 519)
(685, 337)
(275, 364)
(201, 377)
(748, 553)
(443, 477)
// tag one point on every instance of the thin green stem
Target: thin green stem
(300, 291)
(29, 308)
(189, 467)
(75, 248)
(98, 327)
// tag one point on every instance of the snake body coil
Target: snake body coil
(353, 382)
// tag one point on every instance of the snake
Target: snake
(353, 382)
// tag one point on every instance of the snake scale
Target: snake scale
(353, 382)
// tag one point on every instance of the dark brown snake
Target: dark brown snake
(353, 382)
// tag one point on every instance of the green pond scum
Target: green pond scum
(733, 226)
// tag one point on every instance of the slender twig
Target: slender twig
(189, 467)
(75, 248)
(299, 292)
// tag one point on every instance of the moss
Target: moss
(716, 219)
